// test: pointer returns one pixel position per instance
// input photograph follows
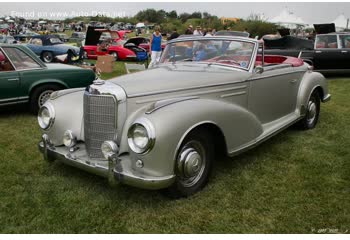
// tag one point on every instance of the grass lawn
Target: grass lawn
(296, 182)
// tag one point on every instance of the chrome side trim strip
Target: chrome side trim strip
(191, 88)
(233, 94)
(161, 104)
(275, 75)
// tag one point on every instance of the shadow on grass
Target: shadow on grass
(18, 109)
(121, 192)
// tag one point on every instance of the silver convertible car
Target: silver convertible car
(162, 128)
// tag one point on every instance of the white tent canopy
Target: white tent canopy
(341, 22)
(287, 19)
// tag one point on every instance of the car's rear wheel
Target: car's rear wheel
(312, 112)
(193, 165)
(115, 55)
(47, 57)
(40, 95)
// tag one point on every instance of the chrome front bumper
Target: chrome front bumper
(326, 98)
(117, 170)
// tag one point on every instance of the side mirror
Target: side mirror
(258, 69)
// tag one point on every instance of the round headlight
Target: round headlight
(46, 116)
(69, 140)
(141, 136)
(109, 148)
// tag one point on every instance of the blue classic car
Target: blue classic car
(50, 46)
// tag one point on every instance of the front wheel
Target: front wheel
(115, 55)
(193, 165)
(40, 95)
(312, 112)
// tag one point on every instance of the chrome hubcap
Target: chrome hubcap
(44, 96)
(191, 163)
(47, 57)
(312, 110)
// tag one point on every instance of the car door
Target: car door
(9, 80)
(28, 69)
(328, 55)
(273, 93)
(344, 40)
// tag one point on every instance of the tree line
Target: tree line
(168, 21)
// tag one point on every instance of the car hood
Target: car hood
(172, 78)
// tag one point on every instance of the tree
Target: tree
(172, 14)
(196, 15)
(184, 17)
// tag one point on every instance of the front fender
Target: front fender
(311, 80)
(67, 118)
(173, 122)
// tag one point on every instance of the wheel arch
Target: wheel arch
(47, 82)
(218, 137)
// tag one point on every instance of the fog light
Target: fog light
(69, 140)
(109, 148)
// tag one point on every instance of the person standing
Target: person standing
(173, 35)
(189, 30)
(155, 46)
(198, 31)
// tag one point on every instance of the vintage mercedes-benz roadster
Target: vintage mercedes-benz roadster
(162, 128)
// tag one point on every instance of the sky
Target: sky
(311, 12)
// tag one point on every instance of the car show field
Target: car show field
(292, 183)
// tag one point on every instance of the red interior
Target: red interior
(274, 59)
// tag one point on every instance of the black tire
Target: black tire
(312, 112)
(40, 94)
(186, 184)
(115, 55)
(47, 56)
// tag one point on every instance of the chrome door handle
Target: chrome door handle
(13, 79)
(343, 51)
(318, 51)
(293, 81)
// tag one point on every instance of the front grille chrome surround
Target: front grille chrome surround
(100, 122)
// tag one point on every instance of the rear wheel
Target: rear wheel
(193, 165)
(312, 112)
(47, 57)
(40, 95)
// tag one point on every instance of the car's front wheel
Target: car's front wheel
(312, 112)
(40, 95)
(115, 55)
(193, 165)
(47, 57)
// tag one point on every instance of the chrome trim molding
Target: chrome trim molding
(192, 88)
(163, 103)
(233, 94)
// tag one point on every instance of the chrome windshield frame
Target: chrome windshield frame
(250, 67)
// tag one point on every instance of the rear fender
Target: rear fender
(311, 81)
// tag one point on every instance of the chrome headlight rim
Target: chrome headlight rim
(112, 146)
(52, 115)
(72, 138)
(148, 126)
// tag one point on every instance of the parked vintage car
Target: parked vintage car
(25, 78)
(162, 128)
(119, 49)
(7, 39)
(62, 36)
(47, 47)
(329, 53)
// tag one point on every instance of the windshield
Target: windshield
(55, 41)
(235, 53)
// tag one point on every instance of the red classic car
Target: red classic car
(96, 46)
